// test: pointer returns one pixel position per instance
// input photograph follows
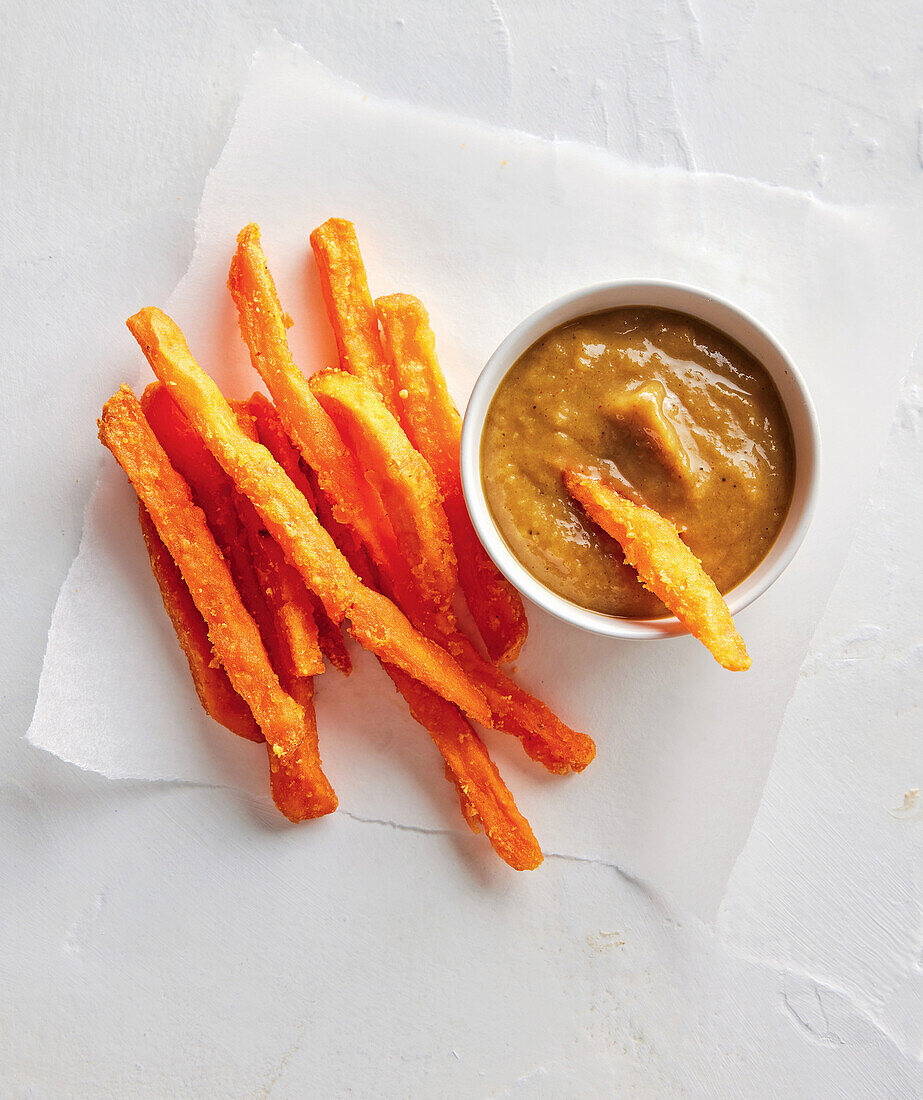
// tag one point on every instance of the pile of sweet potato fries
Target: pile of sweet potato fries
(269, 523)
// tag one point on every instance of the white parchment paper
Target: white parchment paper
(486, 225)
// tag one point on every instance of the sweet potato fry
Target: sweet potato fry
(474, 773)
(291, 779)
(213, 491)
(262, 325)
(346, 541)
(274, 438)
(256, 564)
(481, 791)
(181, 525)
(349, 306)
(289, 601)
(513, 710)
(544, 736)
(212, 685)
(401, 476)
(426, 410)
(375, 621)
(286, 595)
(665, 565)
(431, 421)
(330, 640)
(466, 756)
(272, 434)
(469, 813)
(546, 739)
(382, 446)
(271, 591)
(291, 641)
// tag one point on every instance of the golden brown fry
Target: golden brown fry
(379, 442)
(299, 787)
(375, 621)
(289, 601)
(481, 791)
(474, 773)
(346, 541)
(349, 306)
(262, 324)
(401, 476)
(181, 526)
(665, 565)
(544, 736)
(212, 685)
(213, 491)
(272, 434)
(286, 595)
(431, 421)
(292, 779)
(274, 438)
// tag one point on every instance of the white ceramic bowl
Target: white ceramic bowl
(716, 312)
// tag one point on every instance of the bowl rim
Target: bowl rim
(711, 308)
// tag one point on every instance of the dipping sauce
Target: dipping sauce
(677, 415)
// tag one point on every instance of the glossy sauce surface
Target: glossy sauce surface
(675, 413)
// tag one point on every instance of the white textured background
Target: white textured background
(159, 940)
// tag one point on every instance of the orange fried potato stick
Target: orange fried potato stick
(213, 491)
(545, 738)
(289, 600)
(275, 439)
(375, 621)
(181, 525)
(346, 540)
(290, 778)
(665, 565)
(273, 436)
(293, 780)
(349, 306)
(405, 483)
(484, 798)
(212, 685)
(262, 325)
(431, 421)
(474, 773)
(287, 597)
(401, 476)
